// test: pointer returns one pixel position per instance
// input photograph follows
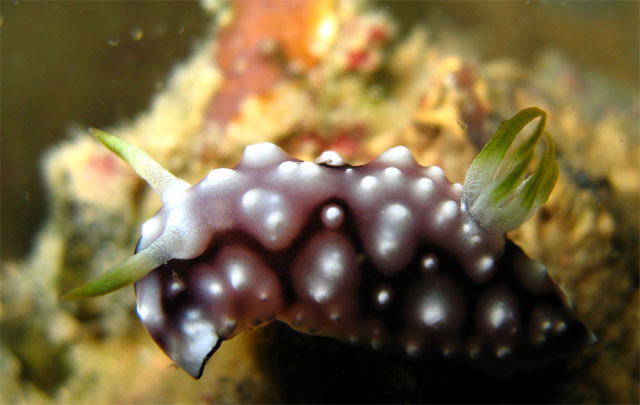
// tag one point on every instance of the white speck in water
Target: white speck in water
(137, 34)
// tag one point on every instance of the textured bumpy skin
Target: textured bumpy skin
(384, 254)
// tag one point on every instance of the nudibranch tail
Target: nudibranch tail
(127, 272)
(159, 178)
(499, 194)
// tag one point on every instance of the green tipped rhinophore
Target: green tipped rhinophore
(497, 190)
(159, 178)
(139, 265)
(121, 275)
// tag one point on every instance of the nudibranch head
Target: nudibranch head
(390, 253)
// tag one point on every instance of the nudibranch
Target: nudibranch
(390, 254)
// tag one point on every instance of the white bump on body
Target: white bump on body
(399, 156)
(237, 274)
(434, 172)
(447, 211)
(332, 216)
(368, 184)
(268, 216)
(422, 189)
(149, 304)
(309, 170)
(220, 177)
(433, 312)
(392, 174)
(286, 169)
(392, 228)
(485, 265)
(262, 155)
(330, 158)
(457, 190)
(429, 263)
(383, 297)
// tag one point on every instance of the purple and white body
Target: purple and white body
(390, 254)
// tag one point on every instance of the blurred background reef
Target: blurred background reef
(194, 83)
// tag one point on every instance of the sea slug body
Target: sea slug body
(390, 254)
